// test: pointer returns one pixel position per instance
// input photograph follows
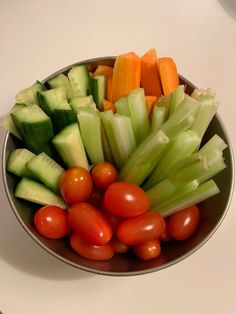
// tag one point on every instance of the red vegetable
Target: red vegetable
(104, 174)
(119, 247)
(148, 250)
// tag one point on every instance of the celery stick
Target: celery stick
(144, 159)
(176, 98)
(138, 114)
(90, 127)
(181, 191)
(215, 143)
(124, 135)
(212, 171)
(158, 118)
(106, 146)
(122, 106)
(203, 192)
(199, 92)
(179, 148)
(83, 101)
(160, 191)
(164, 101)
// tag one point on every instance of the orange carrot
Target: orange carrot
(150, 79)
(108, 72)
(168, 74)
(150, 102)
(126, 75)
(107, 105)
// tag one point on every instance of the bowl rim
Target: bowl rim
(126, 273)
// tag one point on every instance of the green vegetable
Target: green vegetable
(158, 117)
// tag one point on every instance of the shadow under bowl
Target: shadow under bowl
(213, 210)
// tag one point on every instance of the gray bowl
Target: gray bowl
(213, 210)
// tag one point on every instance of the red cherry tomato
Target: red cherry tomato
(90, 251)
(51, 222)
(142, 228)
(76, 185)
(119, 246)
(166, 236)
(148, 250)
(184, 223)
(89, 223)
(96, 197)
(112, 219)
(126, 199)
(104, 174)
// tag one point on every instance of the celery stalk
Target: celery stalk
(215, 143)
(84, 101)
(164, 101)
(106, 146)
(144, 159)
(158, 118)
(160, 191)
(203, 192)
(90, 127)
(122, 106)
(179, 148)
(176, 98)
(202, 92)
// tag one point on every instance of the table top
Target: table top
(38, 38)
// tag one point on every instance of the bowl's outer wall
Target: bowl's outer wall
(212, 210)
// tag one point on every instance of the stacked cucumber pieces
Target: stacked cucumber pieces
(62, 124)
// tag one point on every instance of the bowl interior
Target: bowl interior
(212, 210)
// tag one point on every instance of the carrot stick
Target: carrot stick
(150, 102)
(150, 79)
(126, 75)
(168, 74)
(108, 72)
(107, 105)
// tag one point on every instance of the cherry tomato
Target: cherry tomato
(166, 236)
(142, 228)
(112, 219)
(76, 185)
(89, 223)
(90, 251)
(96, 197)
(148, 250)
(104, 174)
(184, 223)
(119, 246)
(51, 222)
(126, 199)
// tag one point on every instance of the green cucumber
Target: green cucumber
(38, 193)
(70, 146)
(17, 160)
(80, 102)
(46, 170)
(28, 96)
(34, 127)
(80, 80)
(98, 89)
(62, 80)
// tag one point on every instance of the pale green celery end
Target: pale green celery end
(106, 146)
(189, 173)
(176, 98)
(179, 148)
(202, 92)
(122, 106)
(164, 101)
(90, 127)
(158, 118)
(124, 135)
(144, 159)
(215, 142)
(160, 191)
(203, 192)
(213, 171)
(138, 114)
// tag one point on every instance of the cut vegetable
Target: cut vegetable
(168, 74)
(70, 146)
(176, 98)
(17, 160)
(150, 102)
(46, 170)
(80, 102)
(108, 105)
(38, 193)
(160, 191)
(108, 72)
(62, 80)
(98, 89)
(122, 106)
(126, 75)
(80, 80)
(158, 118)
(28, 96)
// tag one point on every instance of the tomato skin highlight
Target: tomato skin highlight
(51, 222)
(145, 227)
(76, 185)
(104, 174)
(148, 250)
(89, 223)
(184, 223)
(90, 251)
(126, 199)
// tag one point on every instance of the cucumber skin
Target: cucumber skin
(79, 75)
(96, 89)
(16, 164)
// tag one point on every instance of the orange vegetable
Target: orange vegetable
(150, 79)
(108, 72)
(107, 105)
(150, 102)
(168, 74)
(126, 75)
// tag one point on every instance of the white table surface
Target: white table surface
(40, 37)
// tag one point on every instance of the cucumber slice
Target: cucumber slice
(62, 80)
(17, 160)
(46, 170)
(80, 80)
(34, 127)
(70, 146)
(28, 96)
(38, 193)
(80, 102)
(98, 89)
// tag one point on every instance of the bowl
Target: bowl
(212, 210)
